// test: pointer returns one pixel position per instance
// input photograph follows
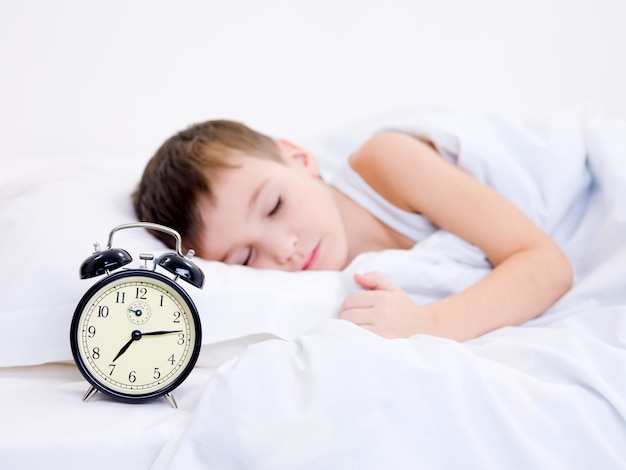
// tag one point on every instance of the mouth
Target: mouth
(312, 258)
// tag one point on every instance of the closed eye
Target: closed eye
(247, 260)
(276, 207)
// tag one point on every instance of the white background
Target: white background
(97, 79)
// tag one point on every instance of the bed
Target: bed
(280, 382)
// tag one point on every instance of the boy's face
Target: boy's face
(274, 216)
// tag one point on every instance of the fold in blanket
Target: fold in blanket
(549, 394)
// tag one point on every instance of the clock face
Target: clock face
(135, 335)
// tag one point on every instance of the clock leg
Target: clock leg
(90, 393)
(170, 399)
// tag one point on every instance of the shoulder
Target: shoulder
(392, 163)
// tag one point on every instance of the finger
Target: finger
(374, 280)
(362, 299)
(358, 316)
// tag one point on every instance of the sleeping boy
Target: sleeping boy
(241, 197)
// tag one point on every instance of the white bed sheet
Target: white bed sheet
(46, 425)
(327, 394)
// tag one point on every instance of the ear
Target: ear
(297, 156)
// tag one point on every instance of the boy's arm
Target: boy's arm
(530, 271)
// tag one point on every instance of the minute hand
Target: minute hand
(162, 332)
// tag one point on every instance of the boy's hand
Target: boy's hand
(384, 308)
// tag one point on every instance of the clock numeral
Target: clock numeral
(181, 338)
(95, 353)
(132, 377)
(176, 317)
(141, 293)
(157, 374)
(119, 297)
(171, 359)
(91, 331)
(112, 366)
(161, 304)
(103, 311)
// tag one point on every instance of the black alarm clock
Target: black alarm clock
(136, 334)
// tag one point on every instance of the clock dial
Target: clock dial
(135, 335)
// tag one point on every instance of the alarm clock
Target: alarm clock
(136, 333)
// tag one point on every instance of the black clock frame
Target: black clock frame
(74, 335)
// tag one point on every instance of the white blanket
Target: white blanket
(548, 394)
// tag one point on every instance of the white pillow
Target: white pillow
(51, 213)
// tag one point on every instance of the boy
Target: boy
(240, 197)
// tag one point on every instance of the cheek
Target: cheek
(314, 212)
(315, 209)
(329, 223)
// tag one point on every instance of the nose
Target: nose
(281, 251)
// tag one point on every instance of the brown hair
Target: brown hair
(182, 169)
